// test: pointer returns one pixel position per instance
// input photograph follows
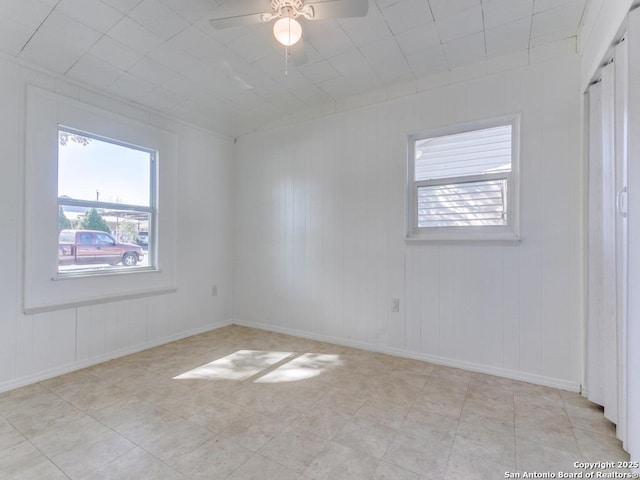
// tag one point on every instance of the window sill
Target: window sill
(41, 308)
(92, 272)
(467, 237)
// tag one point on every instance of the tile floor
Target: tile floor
(243, 404)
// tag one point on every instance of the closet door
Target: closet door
(601, 382)
(594, 368)
(621, 66)
(633, 216)
(609, 320)
(612, 376)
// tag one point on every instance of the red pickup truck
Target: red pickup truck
(85, 247)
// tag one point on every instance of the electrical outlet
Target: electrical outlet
(214, 290)
(395, 304)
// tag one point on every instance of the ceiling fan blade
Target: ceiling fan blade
(298, 54)
(236, 21)
(339, 9)
(238, 13)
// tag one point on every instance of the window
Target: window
(91, 204)
(107, 186)
(463, 182)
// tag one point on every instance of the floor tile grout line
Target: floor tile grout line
(28, 440)
(515, 434)
(455, 435)
(573, 430)
(121, 434)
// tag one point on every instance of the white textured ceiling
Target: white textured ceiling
(164, 54)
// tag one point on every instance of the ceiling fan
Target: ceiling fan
(286, 13)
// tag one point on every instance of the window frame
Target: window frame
(45, 290)
(508, 232)
(151, 210)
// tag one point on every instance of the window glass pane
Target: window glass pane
(105, 209)
(123, 242)
(463, 204)
(97, 170)
(464, 154)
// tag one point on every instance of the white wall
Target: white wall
(37, 346)
(320, 226)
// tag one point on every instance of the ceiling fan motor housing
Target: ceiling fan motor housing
(291, 9)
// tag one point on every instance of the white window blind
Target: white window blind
(462, 154)
(461, 178)
(469, 204)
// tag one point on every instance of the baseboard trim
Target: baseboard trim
(449, 362)
(72, 367)
(474, 367)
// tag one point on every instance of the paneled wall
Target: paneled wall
(37, 346)
(320, 231)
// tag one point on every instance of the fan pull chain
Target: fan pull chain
(286, 61)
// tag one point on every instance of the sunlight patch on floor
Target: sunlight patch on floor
(265, 366)
(306, 366)
(239, 366)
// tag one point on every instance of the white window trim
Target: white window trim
(509, 232)
(43, 289)
(151, 210)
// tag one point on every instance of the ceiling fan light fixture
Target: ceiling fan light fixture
(287, 31)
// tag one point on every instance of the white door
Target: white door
(621, 68)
